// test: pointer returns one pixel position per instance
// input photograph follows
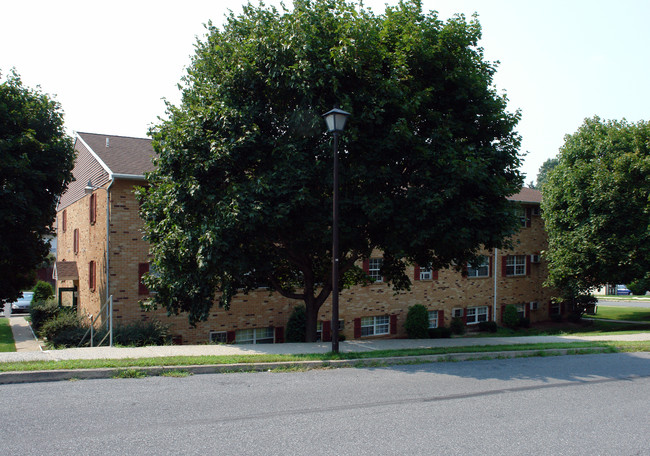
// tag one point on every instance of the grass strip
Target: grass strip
(612, 347)
(622, 313)
(6, 336)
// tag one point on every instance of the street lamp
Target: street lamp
(89, 189)
(335, 120)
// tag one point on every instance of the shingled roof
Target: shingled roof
(121, 154)
(527, 195)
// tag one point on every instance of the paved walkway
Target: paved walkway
(29, 350)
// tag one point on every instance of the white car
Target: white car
(22, 304)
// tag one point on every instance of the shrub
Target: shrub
(511, 317)
(417, 322)
(640, 286)
(140, 333)
(457, 326)
(66, 329)
(524, 322)
(297, 324)
(488, 326)
(42, 292)
(42, 311)
(440, 333)
(574, 317)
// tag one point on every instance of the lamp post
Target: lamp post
(89, 189)
(335, 120)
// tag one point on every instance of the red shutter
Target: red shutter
(416, 272)
(143, 268)
(93, 208)
(490, 263)
(465, 316)
(366, 266)
(527, 265)
(64, 220)
(393, 324)
(489, 313)
(75, 241)
(357, 328)
(504, 266)
(326, 334)
(529, 214)
(550, 309)
(441, 318)
(230, 337)
(434, 275)
(279, 335)
(91, 276)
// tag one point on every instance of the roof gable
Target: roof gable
(121, 154)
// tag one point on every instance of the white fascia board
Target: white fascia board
(127, 176)
(95, 156)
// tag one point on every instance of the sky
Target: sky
(111, 64)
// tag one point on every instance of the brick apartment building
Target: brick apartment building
(115, 165)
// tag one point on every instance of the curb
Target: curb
(56, 375)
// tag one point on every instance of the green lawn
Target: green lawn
(623, 313)
(6, 338)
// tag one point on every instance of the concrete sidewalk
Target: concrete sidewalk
(30, 350)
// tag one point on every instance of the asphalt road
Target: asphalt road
(569, 405)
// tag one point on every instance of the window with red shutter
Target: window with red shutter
(75, 241)
(64, 220)
(92, 276)
(143, 268)
(93, 208)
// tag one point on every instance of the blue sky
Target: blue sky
(111, 63)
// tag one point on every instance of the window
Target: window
(457, 313)
(64, 220)
(254, 336)
(375, 326)
(75, 241)
(521, 310)
(433, 319)
(92, 280)
(516, 265)
(319, 329)
(555, 309)
(477, 314)
(374, 267)
(93, 208)
(482, 268)
(426, 274)
(218, 337)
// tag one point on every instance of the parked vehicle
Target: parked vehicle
(22, 304)
(623, 290)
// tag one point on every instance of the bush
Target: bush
(440, 333)
(574, 317)
(139, 334)
(42, 292)
(524, 322)
(417, 322)
(66, 329)
(297, 324)
(511, 317)
(457, 326)
(640, 286)
(42, 311)
(488, 326)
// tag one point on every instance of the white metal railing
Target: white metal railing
(108, 305)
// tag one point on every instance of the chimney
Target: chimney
(106, 142)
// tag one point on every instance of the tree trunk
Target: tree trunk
(311, 309)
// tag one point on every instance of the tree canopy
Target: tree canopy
(241, 196)
(597, 206)
(36, 160)
(544, 170)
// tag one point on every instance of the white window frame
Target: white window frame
(255, 336)
(522, 216)
(482, 270)
(375, 326)
(215, 335)
(374, 268)
(516, 265)
(457, 313)
(433, 319)
(477, 314)
(521, 309)
(556, 308)
(426, 273)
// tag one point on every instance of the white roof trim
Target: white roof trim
(95, 156)
(127, 176)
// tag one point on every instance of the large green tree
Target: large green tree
(36, 159)
(241, 196)
(597, 206)
(544, 171)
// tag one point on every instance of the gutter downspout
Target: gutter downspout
(494, 305)
(108, 227)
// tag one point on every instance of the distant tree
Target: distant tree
(36, 159)
(597, 206)
(544, 170)
(241, 196)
